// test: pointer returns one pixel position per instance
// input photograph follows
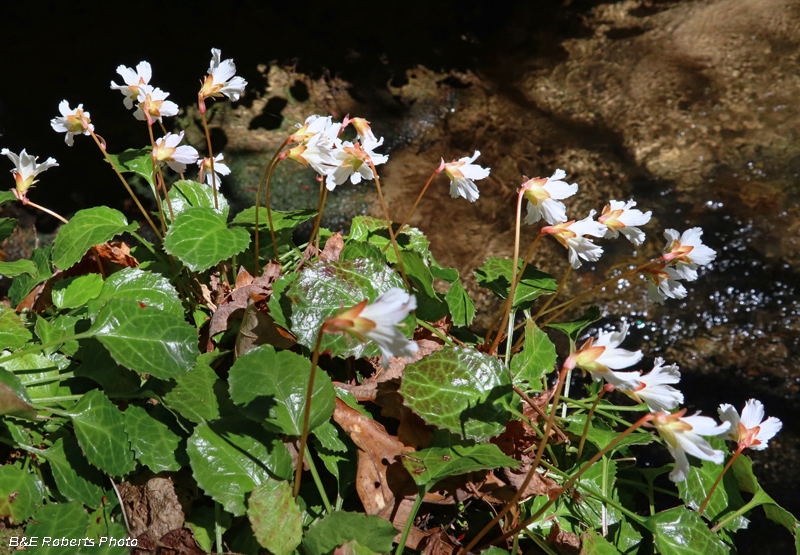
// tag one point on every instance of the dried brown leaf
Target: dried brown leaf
(565, 542)
(152, 507)
(332, 251)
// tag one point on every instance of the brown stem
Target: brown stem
(125, 183)
(307, 412)
(719, 478)
(389, 225)
(416, 202)
(166, 194)
(268, 178)
(210, 157)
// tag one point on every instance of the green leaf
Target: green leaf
(354, 548)
(100, 432)
(573, 329)
(726, 498)
(202, 521)
(86, 229)
(373, 230)
(593, 543)
(360, 249)
(281, 221)
(138, 161)
(34, 366)
(7, 226)
(275, 516)
(538, 356)
(328, 436)
(99, 366)
(58, 524)
(11, 269)
(20, 493)
(495, 275)
(450, 456)
(24, 283)
(340, 527)
(146, 340)
(6, 197)
(461, 390)
(600, 435)
(76, 291)
(418, 272)
(680, 531)
(462, 309)
(321, 290)
(13, 333)
(59, 328)
(187, 194)
(196, 395)
(271, 388)
(200, 238)
(230, 457)
(75, 478)
(14, 399)
(148, 288)
(153, 442)
(102, 532)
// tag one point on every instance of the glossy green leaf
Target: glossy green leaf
(275, 517)
(574, 329)
(148, 288)
(13, 333)
(538, 356)
(726, 498)
(354, 548)
(6, 197)
(186, 194)
(14, 399)
(76, 291)
(135, 160)
(328, 436)
(59, 528)
(461, 390)
(102, 530)
(373, 230)
(101, 434)
(321, 290)
(76, 479)
(271, 388)
(86, 229)
(60, 327)
(147, 340)
(680, 531)
(593, 543)
(7, 226)
(340, 527)
(230, 457)
(418, 272)
(600, 434)
(462, 309)
(203, 521)
(196, 396)
(360, 249)
(99, 366)
(450, 456)
(281, 221)
(495, 275)
(33, 367)
(11, 269)
(200, 238)
(20, 493)
(600, 480)
(153, 442)
(24, 283)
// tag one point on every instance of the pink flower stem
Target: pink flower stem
(156, 169)
(719, 479)
(125, 183)
(389, 225)
(416, 202)
(211, 158)
(268, 178)
(48, 211)
(307, 411)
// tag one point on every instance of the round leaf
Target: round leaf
(87, 228)
(230, 457)
(200, 238)
(196, 395)
(98, 426)
(146, 339)
(461, 390)
(271, 387)
(20, 493)
(680, 531)
(275, 516)
(150, 289)
(186, 194)
(341, 527)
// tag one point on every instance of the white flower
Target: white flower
(316, 125)
(572, 235)
(379, 321)
(663, 282)
(221, 80)
(751, 431)
(219, 168)
(26, 170)
(352, 161)
(621, 217)
(544, 198)
(362, 128)
(652, 388)
(682, 435)
(132, 80)
(603, 354)
(176, 157)
(687, 252)
(462, 174)
(72, 122)
(318, 143)
(153, 101)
